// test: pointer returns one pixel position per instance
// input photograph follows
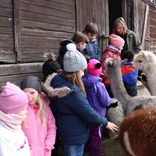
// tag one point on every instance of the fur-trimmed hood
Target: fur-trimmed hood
(53, 92)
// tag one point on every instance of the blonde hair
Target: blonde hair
(42, 109)
(119, 22)
(75, 79)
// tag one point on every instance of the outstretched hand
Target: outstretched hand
(112, 126)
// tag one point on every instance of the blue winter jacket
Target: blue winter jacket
(92, 50)
(97, 94)
(74, 113)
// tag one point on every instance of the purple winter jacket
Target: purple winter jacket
(96, 93)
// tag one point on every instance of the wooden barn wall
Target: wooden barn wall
(42, 25)
(152, 15)
(7, 53)
(28, 29)
(94, 11)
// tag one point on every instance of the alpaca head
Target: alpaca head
(112, 63)
(144, 61)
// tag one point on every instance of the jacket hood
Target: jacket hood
(90, 80)
(53, 92)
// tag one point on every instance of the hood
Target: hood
(90, 80)
(112, 47)
(53, 92)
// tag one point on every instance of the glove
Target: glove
(113, 105)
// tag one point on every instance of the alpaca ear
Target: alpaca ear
(144, 54)
(124, 61)
(109, 62)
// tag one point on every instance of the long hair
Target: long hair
(119, 22)
(42, 109)
(75, 79)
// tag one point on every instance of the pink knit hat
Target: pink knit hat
(116, 41)
(94, 67)
(13, 99)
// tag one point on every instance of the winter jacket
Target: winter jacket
(109, 52)
(73, 112)
(13, 143)
(129, 76)
(96, 93)
(41, 139)
(92, 50)
(132, 42)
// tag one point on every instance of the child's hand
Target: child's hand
(112, 126)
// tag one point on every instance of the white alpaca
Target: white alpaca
(137, 133)
(129, 104)
(146, 61)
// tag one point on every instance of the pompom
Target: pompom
(98, 65)
(71, 47)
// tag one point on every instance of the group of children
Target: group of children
(27, 123)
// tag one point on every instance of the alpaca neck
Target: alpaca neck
(151, 79)
(117, 86)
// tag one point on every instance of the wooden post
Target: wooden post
(17, 34)
(145, 26)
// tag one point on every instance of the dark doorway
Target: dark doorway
(115, 11)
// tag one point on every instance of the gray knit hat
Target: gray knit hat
(74, 61)
(31, 82)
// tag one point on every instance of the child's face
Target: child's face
(91, 36)
(81, 73)
(34, 94)
(81, 46)
(121, 47)
(22, 113)
(119, 29)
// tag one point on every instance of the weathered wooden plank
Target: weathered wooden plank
(33, 41)
(46, 26)
(16, 79)
(6, 50)
(6, 43)
(46, 11)
(48, 4)
(17, 29)
(6, 3)
(9, 58)
(6, 12)
(21, 68)
(36, 32)
(35, 57)
(46, 18)
(5, 21)
(5, 30)
(67, 2)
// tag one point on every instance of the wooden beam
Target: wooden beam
(17, 34)
(145, 26)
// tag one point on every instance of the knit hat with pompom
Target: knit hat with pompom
(94, 67)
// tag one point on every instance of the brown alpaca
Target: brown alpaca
(137, 133)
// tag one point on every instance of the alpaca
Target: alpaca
(146, 61)
(137, 133)
(115, 114)
(129, 104)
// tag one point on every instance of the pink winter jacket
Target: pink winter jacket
(41, 139)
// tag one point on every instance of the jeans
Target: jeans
(76, 150)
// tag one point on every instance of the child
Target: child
(73, 110)
(41, 129)
(13, 104)
(99, 99)
(92, 48)
(80, 41)
(111, 51)
(129, 74)
(50, 66)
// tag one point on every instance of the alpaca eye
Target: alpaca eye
(139, 61)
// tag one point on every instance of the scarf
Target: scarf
(11, 121)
